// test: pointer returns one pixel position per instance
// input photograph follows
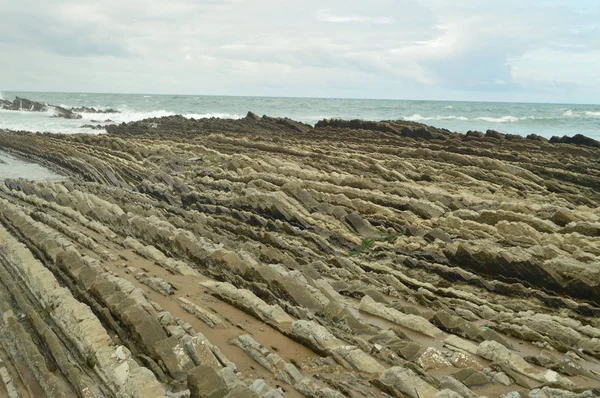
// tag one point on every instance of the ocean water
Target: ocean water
(515, 118)
(12, 167)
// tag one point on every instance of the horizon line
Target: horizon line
(301, 97)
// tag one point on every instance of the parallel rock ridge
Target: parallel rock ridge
(264, 257)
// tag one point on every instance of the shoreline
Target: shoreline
(262, 256)
(383, 125)
(545, 119)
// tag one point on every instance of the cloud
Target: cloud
(323, 15)
(497, 49)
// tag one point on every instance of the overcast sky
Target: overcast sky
(498, 50)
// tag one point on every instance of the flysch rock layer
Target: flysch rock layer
(263, 257)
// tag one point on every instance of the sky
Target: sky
(478, 50)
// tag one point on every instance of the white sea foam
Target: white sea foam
(417, 118)
(131, 116)
(502, 119)
(572, 113)
(209, 115)
(489, 119)
(48, 122)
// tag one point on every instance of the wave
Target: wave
(417, 118)
(132, 116)
(572, 113)
(489, 119)
(503, 119)
(49, 112)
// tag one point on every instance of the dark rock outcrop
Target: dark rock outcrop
(494, 134)
(85, 109)
(398, 127)
(24, 104)
(577, 139)
(536, 137)
(93, 127)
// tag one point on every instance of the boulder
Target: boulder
(400, 382)
(174, 356)
(471, 377)
(437, 234)
(461, 360)
(450, 383)
(360, 225)
(206, 382)
(494, 134)
(536, 137)
(577, 139)
(433, 359)
(502, 378)
(448, 394)
(474, 134)
(200, 353)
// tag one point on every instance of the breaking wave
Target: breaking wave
(417, 118)
(502, 119)
(572, 113)
(132, 116)
(490, 119)
(47, 122)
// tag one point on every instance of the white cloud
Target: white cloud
(384, 48)
(325, 16)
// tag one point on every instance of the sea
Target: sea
(516, 118)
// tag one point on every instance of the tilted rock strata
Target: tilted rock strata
(349, 259)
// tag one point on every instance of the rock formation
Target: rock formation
(263, 257)
(24, 104)
(86, 109)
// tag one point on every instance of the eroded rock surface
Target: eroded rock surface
(263, 257)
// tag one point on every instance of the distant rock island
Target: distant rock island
(24, 104)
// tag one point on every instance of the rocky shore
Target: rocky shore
(24, 104)
(263, 257)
